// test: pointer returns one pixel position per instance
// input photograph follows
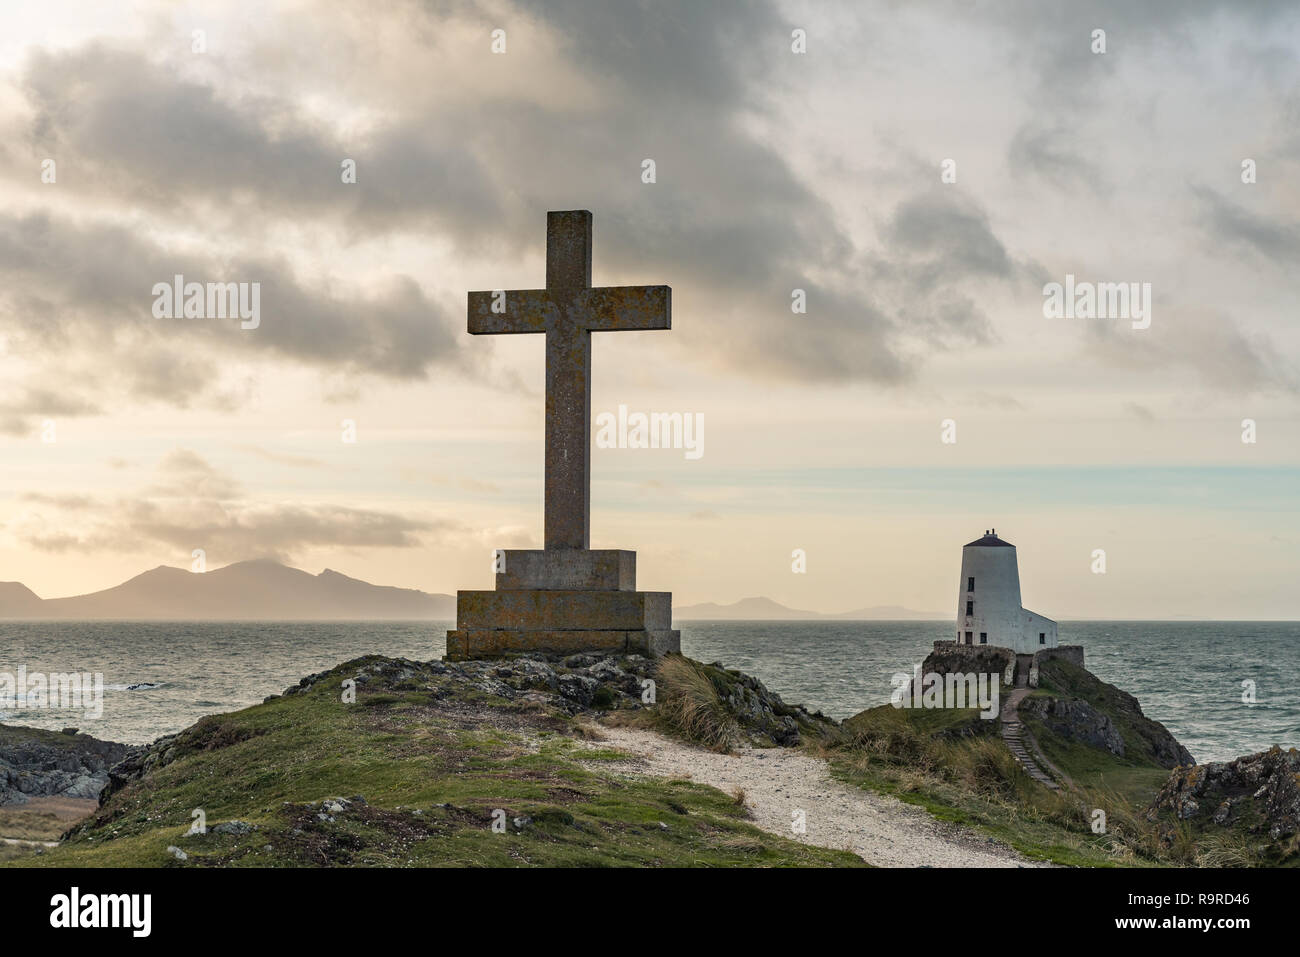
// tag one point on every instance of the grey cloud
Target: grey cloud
(69, 287)
(728, 218)
(43, 401)
(136, 130)
(844, 337)
(19, 411)
(194, 505)
(941, 251)
(277, 530)
(1210, 344)
(1056, 37)
(1231, 223)
(185, 474)
(953, 233)
(729, 223)
(1054, 153)
(166, 375)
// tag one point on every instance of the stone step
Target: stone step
(1013, 738)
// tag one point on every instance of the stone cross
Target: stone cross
(568, 310)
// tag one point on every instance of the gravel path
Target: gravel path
(779, 781)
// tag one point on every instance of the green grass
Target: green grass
(952, 763)
(433, 761)
(1135, 781)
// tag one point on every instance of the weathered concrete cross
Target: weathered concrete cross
(568, 310)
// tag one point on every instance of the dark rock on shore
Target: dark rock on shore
(1259, 793)
(37, 763)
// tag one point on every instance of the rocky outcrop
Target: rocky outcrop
(208, 734)
(1069, 701)
(38, 763)
(1259, 793)
(760, 715)
(1073, 703)
(1075, 720)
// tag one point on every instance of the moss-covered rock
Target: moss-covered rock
(1256, 795)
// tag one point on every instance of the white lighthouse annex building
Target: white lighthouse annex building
(988, 600)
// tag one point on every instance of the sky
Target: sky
(920, 171)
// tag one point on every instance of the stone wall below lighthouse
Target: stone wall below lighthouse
(950, 657)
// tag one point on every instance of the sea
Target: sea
(1223, 688)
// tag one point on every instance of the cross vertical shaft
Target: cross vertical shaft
(568, 382)
(568, 448)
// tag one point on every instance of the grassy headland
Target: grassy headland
(413, 773)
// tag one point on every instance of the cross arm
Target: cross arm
(616, 308)
(525, 311)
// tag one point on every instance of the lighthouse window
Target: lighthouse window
(1042, 637)
(970, 608)
(984, 637)
(970, 584)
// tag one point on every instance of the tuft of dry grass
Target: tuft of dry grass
(689, 704)
(1225, 850)
(27, 823)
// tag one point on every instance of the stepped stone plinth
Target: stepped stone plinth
(566, 597)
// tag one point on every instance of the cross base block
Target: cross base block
(466, 643)
(574, 569)
(538, 609)
(563, 621)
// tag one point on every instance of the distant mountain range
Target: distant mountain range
(265, 590)
(244, 591)
(765, 609)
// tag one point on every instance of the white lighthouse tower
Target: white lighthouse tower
(988, 600)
